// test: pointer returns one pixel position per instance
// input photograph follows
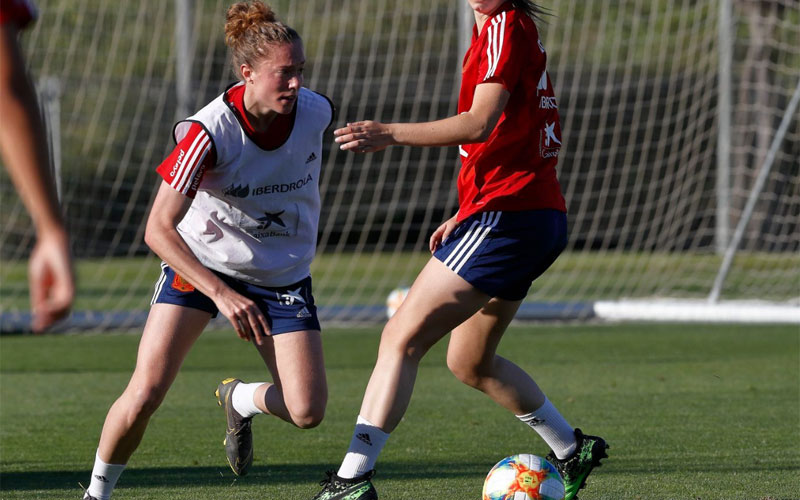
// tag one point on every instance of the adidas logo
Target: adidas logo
(536, 421)
(101, 478)
(311, 157)
(364, 438)
(303, 313)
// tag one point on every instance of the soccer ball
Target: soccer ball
(393, 301)
(523, 477)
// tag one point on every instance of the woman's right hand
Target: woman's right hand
(245, 316)
(364, 137)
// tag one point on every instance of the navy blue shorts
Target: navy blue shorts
(287, 309)
(501, 253)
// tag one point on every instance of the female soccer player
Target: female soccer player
(510, 227)
(235, 222)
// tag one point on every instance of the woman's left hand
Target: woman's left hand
(364, 137)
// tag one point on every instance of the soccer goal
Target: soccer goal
(679, 161)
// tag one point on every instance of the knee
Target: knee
(470, 373)
(307, 416)
(399, 341)
(143, 402)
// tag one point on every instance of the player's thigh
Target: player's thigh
(297, 365)
(168, 336)
(438, 301)
(474, 342)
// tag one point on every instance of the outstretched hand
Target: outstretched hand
(364, 137)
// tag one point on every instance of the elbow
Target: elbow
(152, 233)
(478, 136)
(481, 131)
(484, 133)
(149, 237)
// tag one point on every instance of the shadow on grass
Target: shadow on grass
(172, 477)
(222, 476)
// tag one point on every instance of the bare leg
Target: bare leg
(438, 301)
(472, 359)
(299, 393)
(168, 335)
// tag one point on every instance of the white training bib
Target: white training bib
(256, 212)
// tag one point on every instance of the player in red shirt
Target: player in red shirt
(23, 145)
(510, 227)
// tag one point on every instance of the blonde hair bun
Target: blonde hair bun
(243, 16)
(250, 28)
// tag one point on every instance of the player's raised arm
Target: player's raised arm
(468, 127)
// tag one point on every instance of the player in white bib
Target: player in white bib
(235, 222)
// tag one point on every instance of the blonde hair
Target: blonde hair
(250, 28)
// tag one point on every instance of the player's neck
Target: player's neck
(480, 20)
(259, 119)
(260, 122)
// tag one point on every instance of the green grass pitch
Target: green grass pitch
(691, 412)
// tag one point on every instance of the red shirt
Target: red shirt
(515, 169)
(183, 169)
(19, 12)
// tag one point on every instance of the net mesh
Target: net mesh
(638, 88)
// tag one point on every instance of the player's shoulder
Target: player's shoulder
(521, 23)
(518, 30)
(318, 103)
(507, 15)
(512, 25)
(317, 98)
(220, 114)
(215, 122)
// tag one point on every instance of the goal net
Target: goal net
(679, 156)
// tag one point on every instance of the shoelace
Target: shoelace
(328, 480)
(244, 426)
(86, 495)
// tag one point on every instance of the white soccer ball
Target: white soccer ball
(395, 298)
(523, 477)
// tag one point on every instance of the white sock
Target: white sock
(552, 427)
(242, 399)
(104, 478)
(365, 447)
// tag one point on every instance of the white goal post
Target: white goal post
(675, 113)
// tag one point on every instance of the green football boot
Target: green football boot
(338, 488)
(238, 435)
(575, 469)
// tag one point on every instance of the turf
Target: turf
(691, 412)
